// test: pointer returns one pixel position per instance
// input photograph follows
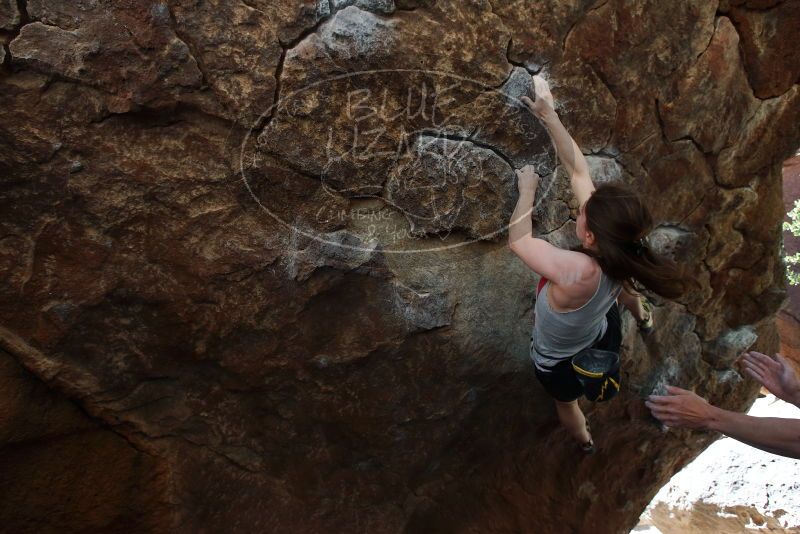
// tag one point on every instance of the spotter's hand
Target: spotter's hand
(774, 373)
(680, 408)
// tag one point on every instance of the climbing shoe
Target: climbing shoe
(646, 324)
(588, 447)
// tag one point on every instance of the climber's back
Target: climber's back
(560, 334)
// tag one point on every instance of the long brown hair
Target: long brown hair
(620, 221)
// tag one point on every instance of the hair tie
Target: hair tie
(641, 247)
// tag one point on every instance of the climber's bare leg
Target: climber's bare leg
(571, 416)
(633, 302)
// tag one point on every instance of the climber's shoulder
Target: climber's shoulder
(556, 264)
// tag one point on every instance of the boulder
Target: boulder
(257, 254)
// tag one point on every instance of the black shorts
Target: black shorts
(561, 383)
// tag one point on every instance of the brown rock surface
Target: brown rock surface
(772, 62)
(9, 15)
(63, 469)
(263, 243)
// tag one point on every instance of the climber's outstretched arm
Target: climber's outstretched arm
(566, 148)
(570, 156)
(562, 267)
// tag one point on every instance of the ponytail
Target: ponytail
(620, 221)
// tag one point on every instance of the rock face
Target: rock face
(263, 243)
(57, 458)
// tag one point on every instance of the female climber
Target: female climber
(576, 306)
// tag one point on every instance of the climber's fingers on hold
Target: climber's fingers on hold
(528, 102)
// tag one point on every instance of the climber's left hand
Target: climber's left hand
(539, 99)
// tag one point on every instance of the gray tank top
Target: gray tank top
(558, 336)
